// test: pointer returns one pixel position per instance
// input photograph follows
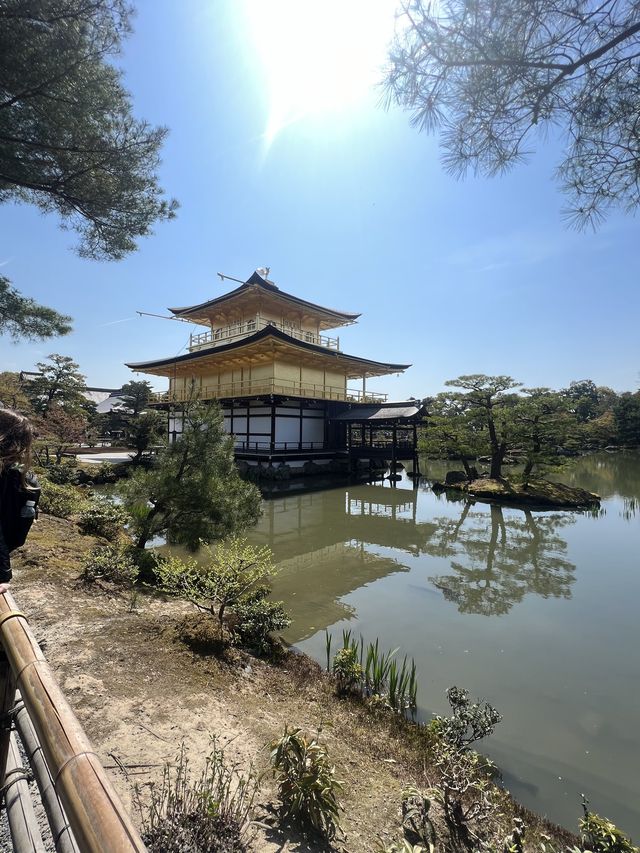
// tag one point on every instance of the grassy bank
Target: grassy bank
(143, 676)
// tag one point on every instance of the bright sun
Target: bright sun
(318, 55)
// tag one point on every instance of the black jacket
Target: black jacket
(19, 496)
(5, 560)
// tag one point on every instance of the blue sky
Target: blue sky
(346, 203)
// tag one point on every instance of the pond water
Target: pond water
(535, 611)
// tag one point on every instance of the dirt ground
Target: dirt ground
(140, 691)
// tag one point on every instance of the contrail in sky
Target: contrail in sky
(115, 322)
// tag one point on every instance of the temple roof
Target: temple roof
(359, 366)
(388, 412)
(258, 284)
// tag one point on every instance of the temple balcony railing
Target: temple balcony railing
(236, 331)
(276, 387)
(382, 444)
(358, 508)
(252, 446)
(355, 395)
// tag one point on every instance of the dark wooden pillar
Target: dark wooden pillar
(301, 419)
(393, 454)
(273, 425)
(332, 434)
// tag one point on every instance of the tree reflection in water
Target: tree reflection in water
(608, 474)
(631, 508)
(498, 559)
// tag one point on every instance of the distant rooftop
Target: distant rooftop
(385, 412)
(91, 392)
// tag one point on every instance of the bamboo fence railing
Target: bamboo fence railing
(65, 765)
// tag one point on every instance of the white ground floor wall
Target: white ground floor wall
(292, 423)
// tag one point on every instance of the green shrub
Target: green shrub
(256, 619)
(602, 836)
(111, 564)
(61, 501)
(103, 519)
(200, 816)
(347, 669)
(514, 841)
(230, 582)
(434, 727)
(470, 721)
(464, 791)
(105, 472)
(307, 785)
(147, 563)
(416, 823)
(62, 474)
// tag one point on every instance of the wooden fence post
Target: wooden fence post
(98, 820)
(7, 701)
(23, 825)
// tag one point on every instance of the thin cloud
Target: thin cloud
(115, 322)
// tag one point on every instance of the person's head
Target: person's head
(16, 436)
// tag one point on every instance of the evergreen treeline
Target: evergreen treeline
(494, 416)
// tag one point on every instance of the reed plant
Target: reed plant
(327, 643)
(380, 674)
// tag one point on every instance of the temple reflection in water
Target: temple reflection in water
(328, 544)
(519, 607)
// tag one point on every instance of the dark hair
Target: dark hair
(16, 437)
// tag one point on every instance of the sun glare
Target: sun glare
(318, 57)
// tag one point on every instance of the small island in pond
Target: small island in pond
(535, 493)
(493, 420)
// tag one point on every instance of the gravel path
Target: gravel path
(113, 458)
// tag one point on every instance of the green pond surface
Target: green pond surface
(535, 611)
